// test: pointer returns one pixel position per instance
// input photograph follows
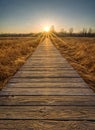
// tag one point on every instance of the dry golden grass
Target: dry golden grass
(13, 53)
(80, 52)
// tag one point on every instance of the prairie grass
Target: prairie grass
(13, 53)
(80, 52)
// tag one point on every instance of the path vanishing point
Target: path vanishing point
(47, 94)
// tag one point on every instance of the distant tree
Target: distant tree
(62, 30)
(90, 32)
(71, 31)
(84, 32)
(52, 29)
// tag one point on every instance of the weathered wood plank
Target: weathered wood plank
(53, 60)
(48, 112)
(48, 85)
(46, 124)
(46, 91)
(41, 61)
(48, 100)
(48, 80)
(47, 74)
(46, 65)
(44, 69)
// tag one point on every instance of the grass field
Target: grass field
(80, 52)
(13, 53)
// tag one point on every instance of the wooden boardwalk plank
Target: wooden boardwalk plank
(47, 85)
(47, 91)
(47, 74)
(48, 100)
(46, 124)
(48, 112)
(47, 80)
(50, 69)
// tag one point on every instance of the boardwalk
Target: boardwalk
(47, 94)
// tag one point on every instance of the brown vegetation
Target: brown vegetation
(80, 52)
(13, 53)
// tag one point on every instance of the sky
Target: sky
(25, 16)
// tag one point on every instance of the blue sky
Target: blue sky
(23, 16)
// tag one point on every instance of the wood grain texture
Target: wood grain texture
(45, 125)
(46, 91)
(47, 85)
(48, 100)
(46, 80)
(48, 112)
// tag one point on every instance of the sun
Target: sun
(47, 29)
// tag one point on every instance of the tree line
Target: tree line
(83, 33)
(19, 35)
